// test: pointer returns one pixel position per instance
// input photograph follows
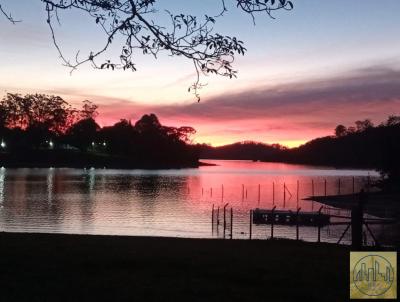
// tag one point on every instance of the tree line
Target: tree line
(361, 145)
(45, 125)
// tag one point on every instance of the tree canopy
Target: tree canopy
(134, 24)
(36, 126)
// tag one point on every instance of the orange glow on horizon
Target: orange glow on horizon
(218, 142)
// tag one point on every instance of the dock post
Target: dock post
(297, 223)
(339, 186)
(224, 221)
(231, 223)
(325, 187)
(242, 192)
(212, 219)
(202, 192)
(273, 193)
(225, 218)
(251, 224)
(272, 221)
(319, 225)
(353, 185)
(298, 185)
(357, 214)
(284, 195)
(217, 218)
(211, 192)
(312, 194)
(312, 187)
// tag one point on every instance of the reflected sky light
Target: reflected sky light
(160, 202)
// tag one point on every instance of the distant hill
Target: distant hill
(247, 150)
(369, 147)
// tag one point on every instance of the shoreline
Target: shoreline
(87, 267)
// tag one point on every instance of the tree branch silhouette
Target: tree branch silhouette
(8, 15)
(186, 36)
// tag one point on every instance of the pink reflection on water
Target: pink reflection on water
(162, 202)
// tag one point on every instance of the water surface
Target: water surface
(165, 202)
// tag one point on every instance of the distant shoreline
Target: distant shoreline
(144, 167)
(64, 158)
(74, 159)
(320, 165)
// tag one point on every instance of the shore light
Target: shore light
(2, 144)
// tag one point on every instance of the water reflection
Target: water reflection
(160, 202)
(2, 179)
(50, 181)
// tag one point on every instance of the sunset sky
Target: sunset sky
(324, 63)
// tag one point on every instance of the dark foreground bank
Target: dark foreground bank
(43, 267)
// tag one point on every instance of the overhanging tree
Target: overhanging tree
(134, 22)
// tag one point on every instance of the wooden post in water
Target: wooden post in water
(353, 185)
(202, 191)
(211, 192)
(297, 200)
(339, 183)
(284, 195)
(231, 223)
(297, 223)
(319, 225)
(325, 187)
(312, 194)
(224, 221)
(217, 218)
(251, 224)
(212, 219)
(246, 194)
(312, 187)
(259, 193)
(272, 221)
(225, 218)
(273, 193)
(242, 192)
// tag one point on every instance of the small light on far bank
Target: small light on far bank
(2, 144)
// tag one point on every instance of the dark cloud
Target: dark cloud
(364, 90)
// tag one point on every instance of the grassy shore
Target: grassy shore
(44, 267)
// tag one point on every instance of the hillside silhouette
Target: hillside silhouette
(361, 146)
(247, 150)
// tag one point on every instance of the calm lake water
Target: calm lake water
(165, 202)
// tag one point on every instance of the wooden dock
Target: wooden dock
(287, 217)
